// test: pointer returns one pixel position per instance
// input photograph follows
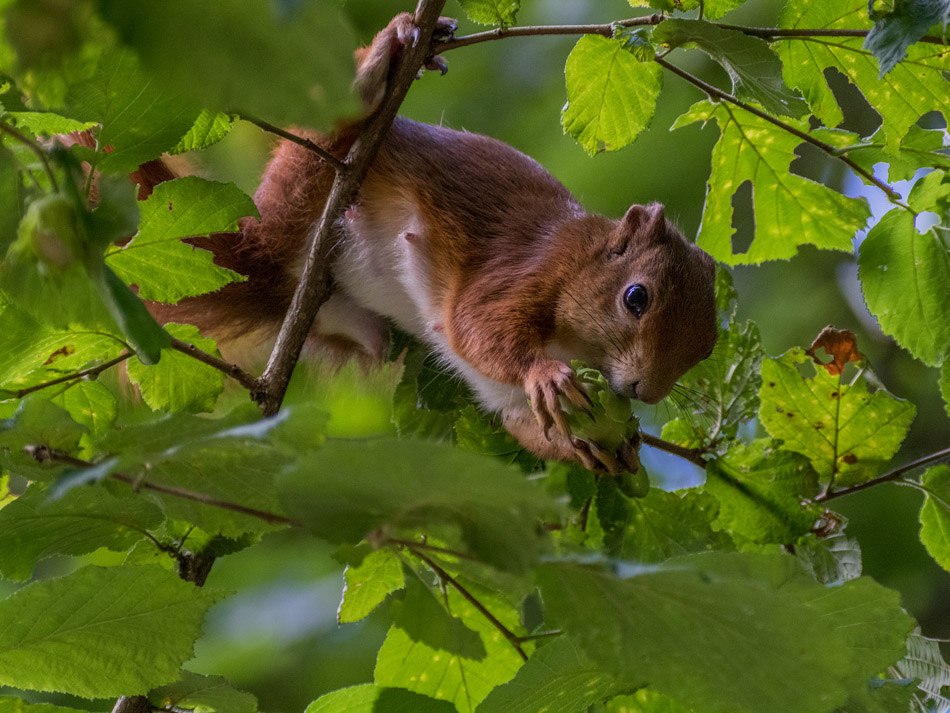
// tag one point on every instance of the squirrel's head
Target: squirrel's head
(643, 310)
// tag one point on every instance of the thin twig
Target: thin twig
(314, 286)
(91, 371)
(42, 454)
(714, 92)
(229, 369)
(431, 548)
(605, 29)
(35, 148)
(770, 33)
(512, 638)
(693, 455)
(338, 165)
(891, 476)
(541, 635)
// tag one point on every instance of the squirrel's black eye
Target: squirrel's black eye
(635, 299)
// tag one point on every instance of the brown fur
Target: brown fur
(513, 267)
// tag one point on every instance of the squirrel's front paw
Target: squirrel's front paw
(546, 382)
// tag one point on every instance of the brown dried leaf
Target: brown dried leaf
(840, 344)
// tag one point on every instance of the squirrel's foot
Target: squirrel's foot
(546, 382)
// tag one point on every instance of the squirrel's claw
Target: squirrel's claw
(547, 381)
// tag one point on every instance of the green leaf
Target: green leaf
(935, 514)
(667, 525)
(368, 584)
(789, 210)
(611, 95)
(713, 9)
(211, 52)
(920, 148)
(165, 269)
(47, 122)
(918, 80)
(491, 12)
(338, 494)
(892, 34)
(831, 560)
(723, 390)
(848, 433)
(130, 314)
(405, 663)
(11, 202)
(101, 632)
(8, 704)
(724, 633)
(202, 694)
(645, 701)
(925, 663)
(427, 398)
(368, 698)
(84, 520)
(906, 278)
(558, 678)
(209, 128)
(945, 384)
(178, 382)
(481, 433)
(91, 405)
(760, 493)
(425, 620)
(137, 120)
(755, 71)
(38, 422)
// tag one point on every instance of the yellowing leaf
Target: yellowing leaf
(789, 210)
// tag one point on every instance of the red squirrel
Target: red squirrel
(473, 248)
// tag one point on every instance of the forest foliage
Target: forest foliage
(511, 585)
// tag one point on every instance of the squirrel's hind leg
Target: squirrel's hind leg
(343, 330)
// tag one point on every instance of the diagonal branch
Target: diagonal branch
(91, 371)
(693, 455)
(337, 164)
(229, 369)
(314, 286)
(715, 93)
(892, 476)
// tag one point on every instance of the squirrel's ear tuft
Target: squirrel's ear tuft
(645, 218)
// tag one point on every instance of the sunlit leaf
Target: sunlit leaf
(611, 95)
(491, 12)
(789, 210)
(847, 432)
(892, 34)
(368, 584)
(209, 128)
(935, 515)
(918, 81)
(905, 277)
(369, 698)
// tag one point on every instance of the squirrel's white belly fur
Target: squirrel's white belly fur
(383, 269)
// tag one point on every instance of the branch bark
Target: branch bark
(337, 164)
(229, 369)
(890, 477)
(314, 286)
(693, 455)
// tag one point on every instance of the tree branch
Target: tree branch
(337, 164)
(693, 455)
(314, 286)
(606, 29)
(232, 370)
(42, 454)
(892, 476)
(91, 371)
(714, 92)
(512, 638)
(775, 33)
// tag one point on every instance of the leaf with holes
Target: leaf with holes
(913, 88)
(905, 276)
(611, 95)
(847, 432)
(789, 210)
